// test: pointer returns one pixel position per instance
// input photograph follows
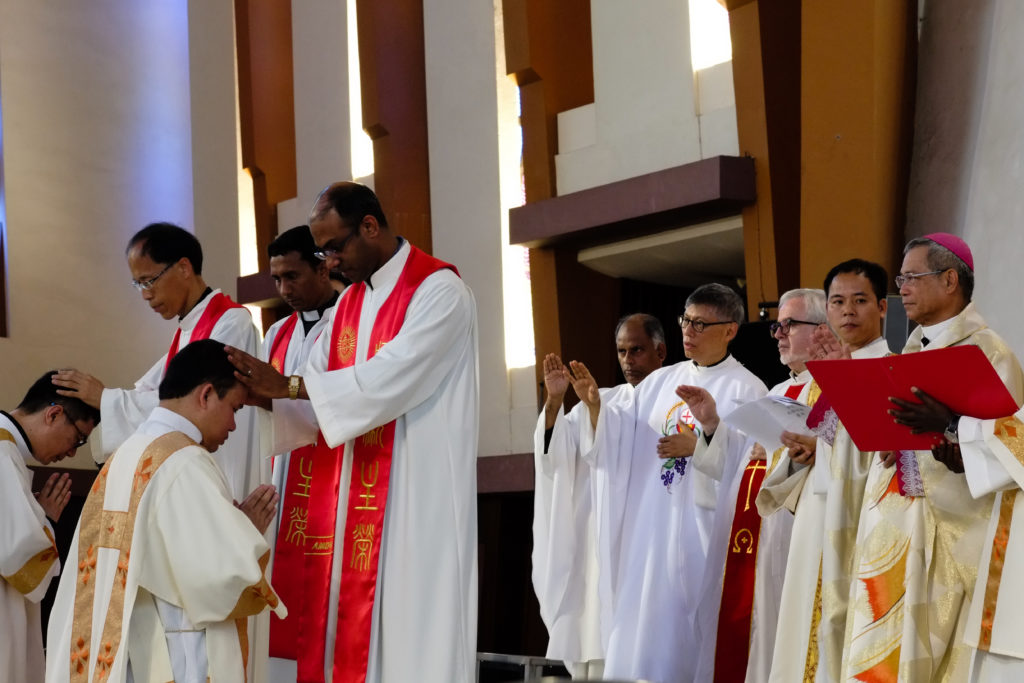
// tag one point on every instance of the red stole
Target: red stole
(737, 601)
(290, 548)
(218, 305)
(368, 492)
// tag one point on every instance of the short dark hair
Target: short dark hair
(874, 272)
(721, 298)
(43, 393)
(941, 258)
(198, 363)
(652, 326)
(167, 243)
(298, 239)
(352, 202)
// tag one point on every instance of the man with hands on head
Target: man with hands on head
(47, 428)
(391, 387)
(654, 547)
(166, 264)
(571, 593)
(747, 555)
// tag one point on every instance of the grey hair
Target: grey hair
(652, 326)
(725, 301)
(941, 258)
(814, 300)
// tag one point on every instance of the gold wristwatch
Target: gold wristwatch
(293, 386)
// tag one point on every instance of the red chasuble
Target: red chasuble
(737, 601)
(368, 492)
(218, 306)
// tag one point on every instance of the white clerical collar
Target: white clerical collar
(11, 425)
(875, 349)
(161, 421)
(714, 366)
(392, 268)
(933, 332)
(802, 377)
(192, 317)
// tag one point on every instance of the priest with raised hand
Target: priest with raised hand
(46, 428)
(390, 397)
(921, 542)
(166, 264)
(165, 568)
(303, 282)
(656, 544)
(739, 610)
(572, 594)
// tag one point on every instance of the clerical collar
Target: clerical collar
(933, 332)
(801, 377)
(207, 292)
(711, 365)
(392, 268)
(21, 431)
(311, 318)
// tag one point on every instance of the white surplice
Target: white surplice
(425, 378)
(993, 455)
(565, 564)
(28, 561)
(917, 556)
(123, 410)
(772, 550)
(194, 565)
(296, 356)
(654, 545)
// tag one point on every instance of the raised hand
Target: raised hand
(263, 381)
(260, 506)
(585, 386)
(826, 346)
(556, 377)
(55, 495)
(701, 404)
(79, 385)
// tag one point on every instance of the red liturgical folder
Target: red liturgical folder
(959, 376)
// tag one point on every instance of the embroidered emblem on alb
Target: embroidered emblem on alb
(276, 364)
(346, 344)
(677, 419)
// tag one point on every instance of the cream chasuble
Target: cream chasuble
(918, 555)
(123, 410)
(28, 561)
(425, 378)
(993, 453)
(165, 569)
(565, 564)
(771, 552)
(656, 544)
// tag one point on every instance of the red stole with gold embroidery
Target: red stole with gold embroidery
(368, 491)
(737, 601)
(219, 305)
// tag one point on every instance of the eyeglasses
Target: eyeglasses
(907, 278)
(787, 325)
(146, 285)
(83, 438)
(698, 325)
(326, 253)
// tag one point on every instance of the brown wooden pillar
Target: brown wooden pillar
(858, 82)
(766, 76)
(394, 100)
(548, 50)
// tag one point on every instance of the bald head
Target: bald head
(640, 345)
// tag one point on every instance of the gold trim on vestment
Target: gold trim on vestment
(1010, 431)
(7, 436)
(811, 663)
(242, 626)
(995, 568)
(110, 529)
(255, 597)
(32, 573)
